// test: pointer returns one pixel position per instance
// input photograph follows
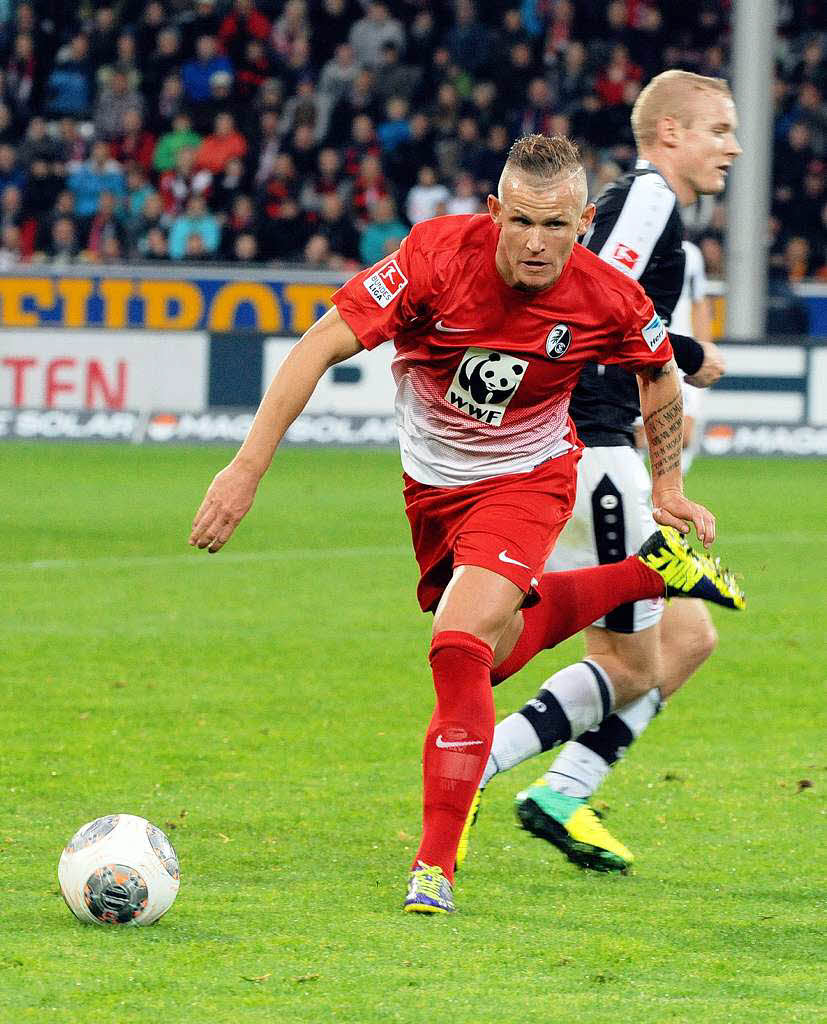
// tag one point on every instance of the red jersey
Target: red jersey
(484, 371)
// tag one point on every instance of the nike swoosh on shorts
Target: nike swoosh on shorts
(503, 557)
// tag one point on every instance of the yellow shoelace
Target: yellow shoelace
(429, 880)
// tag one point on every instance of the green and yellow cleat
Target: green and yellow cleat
(573, 827)
(429, 891)
(687, 573)
(465, 835)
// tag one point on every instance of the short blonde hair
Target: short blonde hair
(670, 94)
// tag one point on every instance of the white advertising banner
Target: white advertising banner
(362, 386)
(100, 369)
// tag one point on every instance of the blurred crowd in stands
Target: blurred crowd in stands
(317, 131)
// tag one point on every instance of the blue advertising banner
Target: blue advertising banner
(162, 303)
(174, 298)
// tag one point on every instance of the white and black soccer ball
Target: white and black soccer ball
(120, 869)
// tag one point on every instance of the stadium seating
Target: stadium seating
(352, 100)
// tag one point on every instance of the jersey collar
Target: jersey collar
(647, 165)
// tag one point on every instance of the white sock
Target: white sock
(514, 741)
(639, 713)
(582, 765)
(573, 700)
(585, 694)
(577, 771)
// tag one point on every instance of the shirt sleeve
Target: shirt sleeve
(378, 302)
(644, 342)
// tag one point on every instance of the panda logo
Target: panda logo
(484, 383)
(558, 341)
(490, 377)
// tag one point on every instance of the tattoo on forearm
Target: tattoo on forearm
(659, 372)
(664, 430)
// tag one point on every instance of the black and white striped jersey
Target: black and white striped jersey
(638, 229)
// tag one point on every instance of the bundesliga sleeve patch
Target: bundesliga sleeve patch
(625, 255)
(654, 332)
(385, 284)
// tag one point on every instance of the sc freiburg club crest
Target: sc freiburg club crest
(558, 341)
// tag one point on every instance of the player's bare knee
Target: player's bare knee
(687, 641)
(689, 636)
(704, 641)
(486, 623)
(478, 601)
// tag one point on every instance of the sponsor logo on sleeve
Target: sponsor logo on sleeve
(654, 332)
(625, 255)
(484, 384)
(385, 284)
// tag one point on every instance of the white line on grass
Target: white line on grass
(199, 559)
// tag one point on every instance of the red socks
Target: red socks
(459, 737)
(457, 743)
(573, 600)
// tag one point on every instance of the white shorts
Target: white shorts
(611, 519)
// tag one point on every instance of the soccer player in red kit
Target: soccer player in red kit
(492, 317)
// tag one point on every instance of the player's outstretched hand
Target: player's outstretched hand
(225, 504)
(672, 508)
(712, 368)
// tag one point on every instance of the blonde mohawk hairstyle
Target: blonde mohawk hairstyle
(671, 94)
(544, 156)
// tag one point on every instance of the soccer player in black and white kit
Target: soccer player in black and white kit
(684, 126)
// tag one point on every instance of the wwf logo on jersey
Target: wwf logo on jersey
(558, 341)
(484, 384)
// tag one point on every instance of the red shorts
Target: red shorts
(508, 524)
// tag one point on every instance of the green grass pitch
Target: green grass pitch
(265, 706)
